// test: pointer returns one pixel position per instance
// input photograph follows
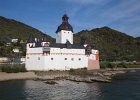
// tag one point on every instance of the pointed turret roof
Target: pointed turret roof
(38, 43)
(44, 39)
(31, 39)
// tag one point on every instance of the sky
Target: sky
(45, 15)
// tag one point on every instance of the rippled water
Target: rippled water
(127, 88)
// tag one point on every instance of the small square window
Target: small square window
(38, 58)
(79, 59)
(65, 58)
(72, 59)
(51, 58)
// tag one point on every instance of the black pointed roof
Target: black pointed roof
(31, 39)
(65, 24)
(38, 43)
(68, 44)
(44, 39)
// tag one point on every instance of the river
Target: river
(126, 87)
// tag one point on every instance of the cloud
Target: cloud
(121, 14)
(85, 1)
(123, 10)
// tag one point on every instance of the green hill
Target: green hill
(15, 29)
(112, 44)
(10, 29)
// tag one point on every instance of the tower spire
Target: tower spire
(65, 18)
(65, 24)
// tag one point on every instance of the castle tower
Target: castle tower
(30, 41)
(64, 31)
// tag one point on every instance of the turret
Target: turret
(30, 41)
(64, 31)
(45, 42)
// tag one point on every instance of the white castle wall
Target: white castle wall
(65, 62)
(35, 50)
(34, 59)
(35, 62)
(58, 59)
(63, 36)
(67, 51)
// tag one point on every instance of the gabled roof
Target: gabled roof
(70, 46)
(38, 44)
(31, 39)
(44, 39)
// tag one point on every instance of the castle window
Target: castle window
(72, 59)
(79, 59)
(38, 58)
(65, 58)
(51, 58)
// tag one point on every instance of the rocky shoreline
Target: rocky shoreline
(50, 77)
(94, 76)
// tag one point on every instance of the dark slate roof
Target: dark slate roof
(44, 39)
(31, 39)
(57, 45)
(70, 46)
(65, 25)
(38, 43)
(83, 41)
(67, 45)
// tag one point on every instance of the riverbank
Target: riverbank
(103, 75)
(16, 76)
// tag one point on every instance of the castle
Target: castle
(62, 55)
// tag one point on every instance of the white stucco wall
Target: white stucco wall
(65, 62)
(63, 36)
(35, 50)
(67, 51)
(55, 62)
(58, 59)
(35, 62)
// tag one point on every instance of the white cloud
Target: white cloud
(122, 10)
(85, 1)
(123, 16)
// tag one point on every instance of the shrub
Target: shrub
(71, 70)
(9, 68)
(102, 65)
(107, 65)
(110, 65)
(81, 72)
(122, 65)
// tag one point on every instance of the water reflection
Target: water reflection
(64, 90)
(67, 90)
(12, 90)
